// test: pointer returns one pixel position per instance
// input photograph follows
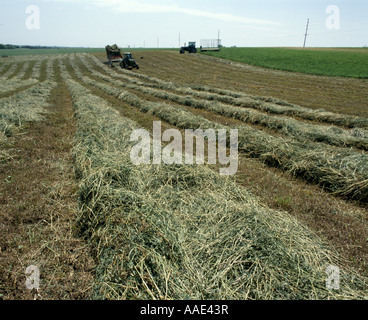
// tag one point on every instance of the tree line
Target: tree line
(12, 46)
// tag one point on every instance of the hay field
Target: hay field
(297, 205)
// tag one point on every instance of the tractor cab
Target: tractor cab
(127, 55)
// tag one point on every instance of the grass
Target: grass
(183, 232)
(10, 71)
(27, 52)
(26, 106)
(36, 71)
(33, 52)
(339, 221)
(339, 170)
(156, 232)
(319, 62)
(288, 126)
(264, 104)
(15, 83)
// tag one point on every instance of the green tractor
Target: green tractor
(191, 48)
(128, 61)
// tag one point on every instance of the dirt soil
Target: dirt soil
(38, 206)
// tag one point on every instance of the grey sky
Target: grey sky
(152, 23)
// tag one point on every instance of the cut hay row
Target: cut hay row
(23, 70)
(265, 104)
(10, 71)
(178, 116)
(63, 72)
(75, 67)
(237, 94)
(3, 66)
(319, 115)
(302, 131)
(25, 106)
(339, 170)
(162, 84)
(183, 232)
(24, 58)
(36, 71)
(8, 85)
(50, 69)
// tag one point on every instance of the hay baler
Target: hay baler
(113, 54)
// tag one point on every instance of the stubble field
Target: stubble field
(97, 226)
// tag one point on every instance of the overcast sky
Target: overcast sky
(152, 23)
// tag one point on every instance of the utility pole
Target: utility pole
(306, 33)
(218, 38)
(179, 40)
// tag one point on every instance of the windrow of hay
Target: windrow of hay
(8, 85)
(340, 170)
(10, 71)
(63, 71)
(162, 84)
(23, 70)
(4, 65)
(50, 74)
(184, 232)
(264, 104)
(287, 126)
(36, 71)
(25, 106)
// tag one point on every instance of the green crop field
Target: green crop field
(328, 62)
(24, 52)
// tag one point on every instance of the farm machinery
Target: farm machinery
(210, 45)
(191, 48)
(113, 54)
(128, 61)
(125, 60)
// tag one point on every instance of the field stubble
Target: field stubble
(341, 171)
(342, 95)
(37, 190)
(342, 223)
(157, 237)
(105, 183)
